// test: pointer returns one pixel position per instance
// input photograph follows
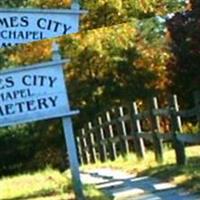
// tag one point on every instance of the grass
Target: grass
(53, 185)
(43, 185)
(187, 176)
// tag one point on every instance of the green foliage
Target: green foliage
(32, 148)
(125, 58)
(12, 3)
(111, 12)
(191, 128)
(114, 65)
(49, 3)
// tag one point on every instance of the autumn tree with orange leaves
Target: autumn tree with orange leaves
(119, 55)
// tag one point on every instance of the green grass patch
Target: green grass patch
(187, 176)
(94, 194)
(44, 185)
(53, 185)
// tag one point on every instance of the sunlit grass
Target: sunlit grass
(130, 162)
(53, 185)
(188, 176)
(40, 184)
(93, 194)
(44, 185)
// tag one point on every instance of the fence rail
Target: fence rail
(126, 129)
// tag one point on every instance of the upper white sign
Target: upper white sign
(19, 26)
(33, 93)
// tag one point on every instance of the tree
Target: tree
(122, 58)
(112, 12)
(49, 3)
(184, 37)
(12, 3)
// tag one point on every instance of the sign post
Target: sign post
(38, 92)
(72, 153)
(70, 141)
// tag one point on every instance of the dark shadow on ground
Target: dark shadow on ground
(139, 188)
(169, 172)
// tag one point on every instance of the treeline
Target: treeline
(127, 50)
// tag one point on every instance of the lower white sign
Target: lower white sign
(33, 93)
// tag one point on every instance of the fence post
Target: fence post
(124, 131)
(117, 132)
(92, 143)
(197, 106)
(80, 152)
(177, 128)
(86, 156)
(113, 152)
(155, 126)
(102, 145)
(135, 131)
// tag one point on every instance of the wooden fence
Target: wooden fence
(126, 129)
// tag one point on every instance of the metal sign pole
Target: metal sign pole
(70, 142)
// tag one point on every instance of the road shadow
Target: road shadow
(136, 188)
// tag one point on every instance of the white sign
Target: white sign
(26, 25)
(33, 93)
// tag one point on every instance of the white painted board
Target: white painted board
(19, 26)
(33, 93)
